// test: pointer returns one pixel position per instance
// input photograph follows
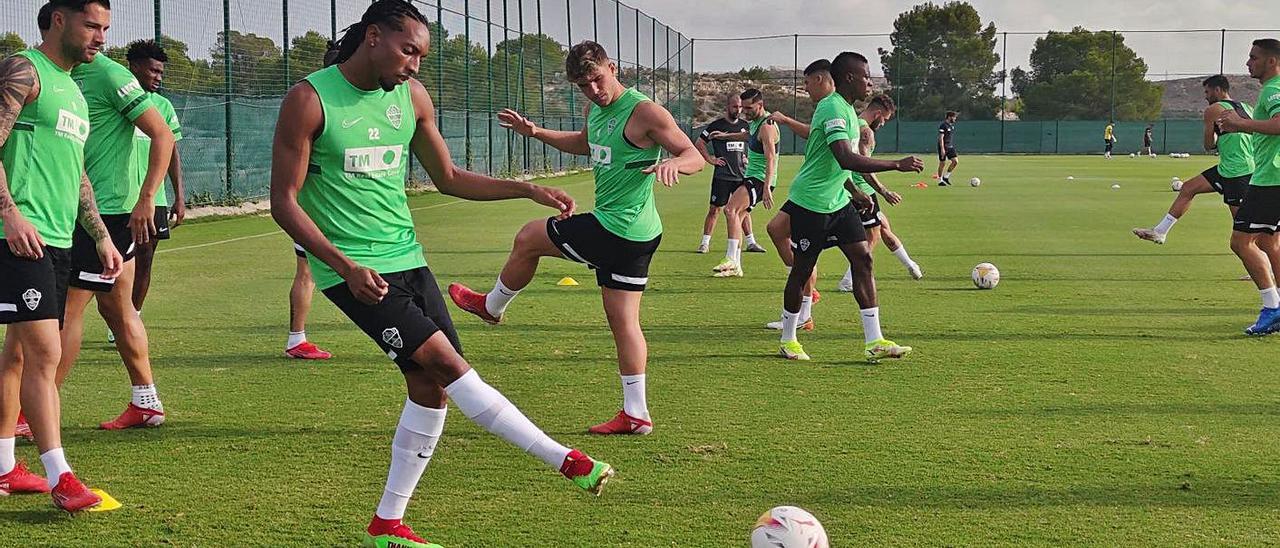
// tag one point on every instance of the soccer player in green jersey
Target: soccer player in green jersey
(761, 150)
(147, 63)
(824, 207)
(44, 122)
(339, 163)
(118, 108)
(1230, 177)
(625, 135)
(1254, 237)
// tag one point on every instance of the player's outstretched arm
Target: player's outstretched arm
(18, 86)
(866, 143)
(796, 126)
(852, 161)
(722, 136)
(301, 120)
(573, 142)
(142, 221)
(661, 129)
(1230, 121)
(432, 152)
(769, 136)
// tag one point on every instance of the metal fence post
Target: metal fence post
(638, 72)
(1113, 76)
(653, 56)
(506, 81)
(693, 83)
(440, 69)
(568, 19)
(617, 30)
(466, 77)
(285, 47)
(523, 101)
(1004, 95)
(333, 20)
(542, 85)
(1222, 52)
(795, 83)
(156, 19)
(666, 65)
(488, 39)
(595, 27)
(226, 87)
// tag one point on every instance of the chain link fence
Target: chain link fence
(231, 61)
(1136, 78)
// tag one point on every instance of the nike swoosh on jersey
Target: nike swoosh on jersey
(346, 124)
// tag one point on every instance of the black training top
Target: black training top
(733, 152)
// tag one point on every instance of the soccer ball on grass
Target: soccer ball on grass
(986, 276)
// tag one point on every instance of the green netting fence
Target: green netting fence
(231, 61)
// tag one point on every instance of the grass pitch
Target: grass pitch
(1102, 394)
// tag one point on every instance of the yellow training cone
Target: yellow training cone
(108, 503)
(567, 281)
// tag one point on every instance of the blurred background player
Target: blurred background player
(1108, 139)
(947, 148)
(762, 166)
(1147, 142)
(727, 137)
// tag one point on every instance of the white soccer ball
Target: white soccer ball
(986, 276)
(1115, 186)
(1070, 178)
(1133, 155)
(1176, 185)
(788, 527)
(1173, 154)
(975, 181)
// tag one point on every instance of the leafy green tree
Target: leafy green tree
(943, 59)
(1071, 79)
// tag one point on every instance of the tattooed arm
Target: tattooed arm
(18, 86)
(91, 222)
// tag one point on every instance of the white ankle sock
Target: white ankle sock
(751, 240)
(901, 254)
(848, 277)
(497, 300)
(1165, 224)
(1270, 298)
(633, 396)
(871, 324)
(706, 240)
(731, 249)
(492, 411)
(806, 308)
(416, 437)
(145, 396)
(295, 338)
(7, 458)
(789, 322)
(55, 464)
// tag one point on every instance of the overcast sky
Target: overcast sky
(1194, 54)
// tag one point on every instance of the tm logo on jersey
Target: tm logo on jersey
(72, 127)
(735, 146)
(129, 88)
(601, 156)
(373, 159)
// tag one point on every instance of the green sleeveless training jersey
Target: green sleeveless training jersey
(624, 196)
(755, 152)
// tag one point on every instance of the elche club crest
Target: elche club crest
(394, 116)
(804, 244)
(391, 336)
(611, 126)
(32, 298)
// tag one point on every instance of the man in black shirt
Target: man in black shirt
(947, 149)
(728, 153)
(1146, 142)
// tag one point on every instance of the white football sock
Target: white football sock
(789, 322)
(145, 396)
(901, 254)
(731, 252)
(871, 324)
(1270, 298)
(416, 437)
(55, 465)
(496, 301)
(946, 175)
(706, 240)
(492, 411)
(751, 240)
(806, 308)
(295, 338)
(1165, 224)
(848, 277)
(633, 396)
(7, 458)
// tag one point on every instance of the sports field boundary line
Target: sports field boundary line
(275, 232)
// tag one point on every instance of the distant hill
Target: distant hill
(1184, 97)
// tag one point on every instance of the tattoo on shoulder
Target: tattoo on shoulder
(17, 78)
